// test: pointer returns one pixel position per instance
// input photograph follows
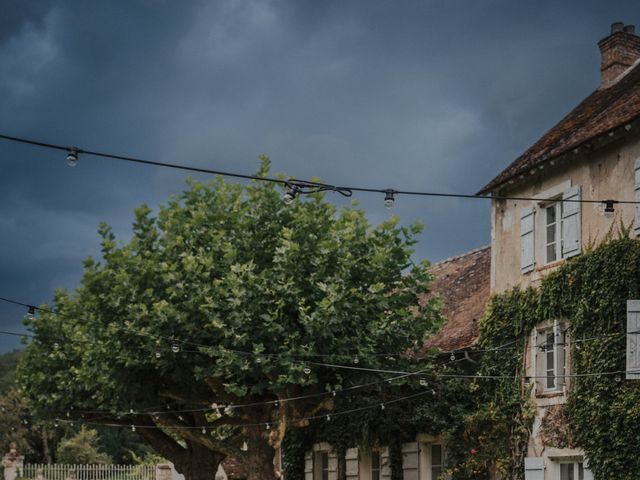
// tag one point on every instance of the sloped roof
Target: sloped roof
(463, 284)
(602, 111)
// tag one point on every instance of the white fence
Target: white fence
(90, 472)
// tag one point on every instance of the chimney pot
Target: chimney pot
(630, 29)
(617, 27)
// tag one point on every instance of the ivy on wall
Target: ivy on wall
(486, 422)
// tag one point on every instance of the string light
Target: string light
(609, 209)
(267, 426)
(244, 447)
(291, 193)
(175, 348)
(307, 369)
(356, 360)
(72, 157)
(294, 187)
(452, 357)
(389, 199)
(31, 312)
(158, 355)
(133, 428)
(204, 431)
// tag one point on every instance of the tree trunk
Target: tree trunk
(198, 462)
(258, 460)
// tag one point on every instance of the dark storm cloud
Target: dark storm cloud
(429, 95)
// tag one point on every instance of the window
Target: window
(553, 230)
(436, 461)
(375, 465)
(321, 466)
(572, 471)
(551, 358)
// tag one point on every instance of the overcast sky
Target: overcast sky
(408, 94)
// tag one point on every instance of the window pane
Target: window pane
(551, 233)
(436, 472)
(580, 471)
(436, 455)
(375, 460)
(551, 253)
(551, 214)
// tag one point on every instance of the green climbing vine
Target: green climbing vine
(486, 422)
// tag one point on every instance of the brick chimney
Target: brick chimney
(619, 51)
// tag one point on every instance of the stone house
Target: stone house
(462, 282)
(591, 154)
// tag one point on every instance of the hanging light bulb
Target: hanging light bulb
(276, 403)
(389, 199)
(56, 424)
(72, 157)
(244, 447)
(356, 360)
(268, 426)
(258, 359)
(175, 348)
(56, 346)
(204, 431)
(133, 428)
(158, 354)
(423, 382)
(68, 414)
(452, 357)
(307, 370)
(328, 417)
(131, 410)
(31, 312)
(382, 406)
(334, 393)
(618, 378)
(609, 209)
(291, 193)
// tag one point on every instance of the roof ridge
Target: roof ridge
(462, 255)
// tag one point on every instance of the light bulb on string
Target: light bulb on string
(307, 370)
(244, 447)
(204, 431)
(56, 346)
(133, 428)
(328, 418)
(609, 210)
(158, 355)
(175, 348)
(334, 393)
(267, 426)
(452, 357)
(356, 360)
(72, 157)
(423, 382)
(389, 199)
(31, 312)
(292, 192)
(56, 424)
(276, 403)
(382, 406)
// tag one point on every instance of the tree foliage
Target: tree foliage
(224, 297)
(82, 448)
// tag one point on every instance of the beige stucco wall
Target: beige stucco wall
(606, 173)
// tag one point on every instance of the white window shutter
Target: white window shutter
(571, 224)
(633, 339)
(333, 466)
(308, 466)
(527, 252)
(385, 467)
(636, 223)
(534, 468)
(587, 472)
(410, 461)
(351, 460)
(559, 353)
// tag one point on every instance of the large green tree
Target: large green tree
(225, 297)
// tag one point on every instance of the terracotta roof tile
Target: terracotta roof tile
(463, 284)
(602, 111)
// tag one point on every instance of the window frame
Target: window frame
(556, 205)
(373, 469)
(551, 341)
